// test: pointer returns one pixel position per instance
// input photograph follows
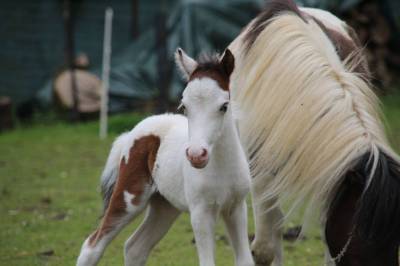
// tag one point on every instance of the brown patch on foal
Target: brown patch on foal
(134, 175)
(271, 9)
(221, 79)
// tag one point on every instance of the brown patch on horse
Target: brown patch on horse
(340, 227)
(346, 47)
(271, 9)
(216, 69)
(134, 175)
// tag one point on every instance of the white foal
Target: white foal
(171, 164)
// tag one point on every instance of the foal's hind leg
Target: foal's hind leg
(159, 218)
(130, 196)
(267, 244)
(119, 213)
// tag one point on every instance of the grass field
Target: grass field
(49, 200)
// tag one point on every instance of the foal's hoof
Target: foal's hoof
(262, 254)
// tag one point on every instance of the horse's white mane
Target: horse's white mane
(308, 116)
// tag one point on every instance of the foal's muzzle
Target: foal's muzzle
(198, 158)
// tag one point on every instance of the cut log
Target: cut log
(88, 91)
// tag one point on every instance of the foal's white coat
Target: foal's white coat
(220, 188)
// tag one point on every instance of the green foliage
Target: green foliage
(391, 110)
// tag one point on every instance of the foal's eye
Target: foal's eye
(224, 107)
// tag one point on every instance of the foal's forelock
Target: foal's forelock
(211, 66)
(214, 74)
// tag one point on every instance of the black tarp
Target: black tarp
(31, 49)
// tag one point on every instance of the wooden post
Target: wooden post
(68, 17)
(135, 19)
(6, 116)
(162, 59)
(105, 77)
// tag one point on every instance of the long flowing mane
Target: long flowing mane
(309, 117)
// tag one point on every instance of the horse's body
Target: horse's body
(312, 129)
(148, 167)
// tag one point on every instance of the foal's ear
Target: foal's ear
(185, 63)
(228, 62)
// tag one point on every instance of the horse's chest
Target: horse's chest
(219, 191)
(227, 196)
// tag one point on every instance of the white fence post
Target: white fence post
(105, 77)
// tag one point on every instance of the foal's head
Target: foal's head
(205, 101)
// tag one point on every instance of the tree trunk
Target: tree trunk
(163, 64)
(6, 117)
(69, 54)
(135, 19)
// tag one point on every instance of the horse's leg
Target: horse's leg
(117, 215)
(159, 218)
(267, 244)
(203, 222)
(339, 227)
(328, 259)
(236, 225)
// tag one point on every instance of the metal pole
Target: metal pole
(106, 72)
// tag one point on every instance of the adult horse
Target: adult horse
(312, 128)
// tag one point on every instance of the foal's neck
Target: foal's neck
(228, 142)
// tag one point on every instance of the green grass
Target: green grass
(49, 199)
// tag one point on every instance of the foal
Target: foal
(171, 164)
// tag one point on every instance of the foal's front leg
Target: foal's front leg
(203, 222)
(236, 225)
(159, 218)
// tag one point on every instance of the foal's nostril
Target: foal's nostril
(198, 158)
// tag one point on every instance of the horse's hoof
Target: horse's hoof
(263, 254)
